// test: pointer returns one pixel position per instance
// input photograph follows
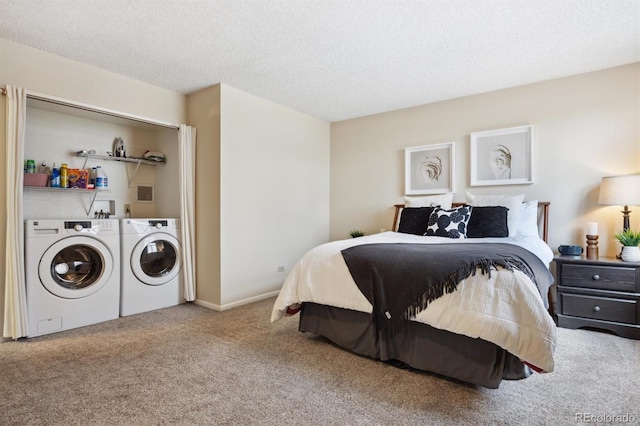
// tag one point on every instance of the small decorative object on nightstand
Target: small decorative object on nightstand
(599, 293)
(592, 240)
(592, 246)
(630, 241)
(630, 254)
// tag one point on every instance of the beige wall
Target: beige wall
(274, 175)
(585, 127)
(167, 176)
(262, 193)
(49, 74)
(3, 205)
(203, 113)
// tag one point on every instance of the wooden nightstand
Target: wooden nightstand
(603, 293)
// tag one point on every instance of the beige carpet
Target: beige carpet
(190, 365)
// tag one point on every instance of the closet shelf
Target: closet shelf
(135, 160)
(92, 192)
(76, 190)
(121, 159)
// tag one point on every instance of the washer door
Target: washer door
(75, 267)
(156, 259)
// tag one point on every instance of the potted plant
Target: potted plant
(630, 241)
(356, 233)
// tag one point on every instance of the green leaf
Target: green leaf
(628, 238)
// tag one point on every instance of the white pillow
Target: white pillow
(444, 201)
(512, 202)
(528, 220)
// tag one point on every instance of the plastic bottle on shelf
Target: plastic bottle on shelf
(55, 177)
(31, 166)
(92, 177)
(64, 175)
(102, 182)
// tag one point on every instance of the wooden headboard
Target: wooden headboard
(544, 205)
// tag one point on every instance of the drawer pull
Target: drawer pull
(596, 308)
(596, 277)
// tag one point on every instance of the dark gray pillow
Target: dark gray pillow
(414, 220)
(488, 222)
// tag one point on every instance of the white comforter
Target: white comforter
(506, 309)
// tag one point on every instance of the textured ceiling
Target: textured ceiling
(334, 59)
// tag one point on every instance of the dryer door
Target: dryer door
(75, 267)
(156, 259)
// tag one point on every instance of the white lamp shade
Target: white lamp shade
(620, 190)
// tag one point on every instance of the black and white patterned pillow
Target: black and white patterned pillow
(449, 223)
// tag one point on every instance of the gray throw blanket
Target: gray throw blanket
(400, 280)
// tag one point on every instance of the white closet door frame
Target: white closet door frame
(98, 110)
(15, 323)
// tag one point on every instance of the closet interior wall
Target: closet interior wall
(55, 133)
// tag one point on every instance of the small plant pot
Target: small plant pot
(631, 254)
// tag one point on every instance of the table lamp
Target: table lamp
(621, 191)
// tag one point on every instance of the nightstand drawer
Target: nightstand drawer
(602, 277)
(601, 308)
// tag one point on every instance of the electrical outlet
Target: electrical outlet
(280, 268)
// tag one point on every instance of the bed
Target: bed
(492, 324)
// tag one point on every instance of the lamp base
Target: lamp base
(625, 218)
(625, 226)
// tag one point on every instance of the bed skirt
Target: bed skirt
(419, 346)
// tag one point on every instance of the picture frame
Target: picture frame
(502, 156)
(430, 169)
(145, 193)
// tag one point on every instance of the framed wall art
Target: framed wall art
(502, 156)
(429, 169)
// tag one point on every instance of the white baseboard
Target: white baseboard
(231, 305)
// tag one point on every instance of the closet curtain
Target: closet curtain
(187, 209)
(15, 300)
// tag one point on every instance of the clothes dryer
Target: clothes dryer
(72, 273)
(151, 265)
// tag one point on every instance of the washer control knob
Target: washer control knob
(77, 227)
(158, 225)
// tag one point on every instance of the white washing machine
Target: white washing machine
(151, 265)
(72, 272)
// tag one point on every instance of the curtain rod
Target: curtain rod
(89, 108)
